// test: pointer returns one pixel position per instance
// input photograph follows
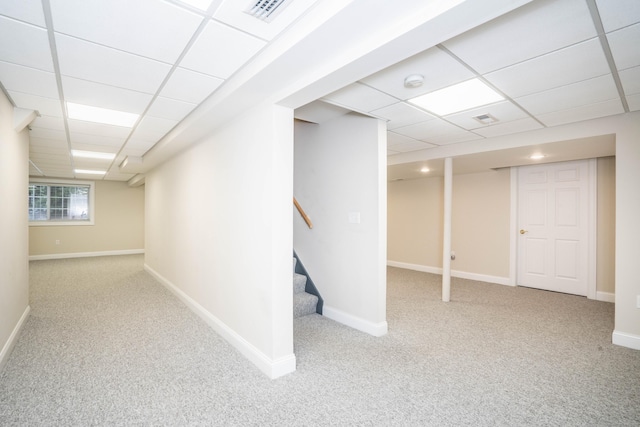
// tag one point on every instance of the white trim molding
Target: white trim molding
(11, 342)
(85, 254)
(605, 296)
(498, 280)
(626, 340)
(371, 328)
(273, 368)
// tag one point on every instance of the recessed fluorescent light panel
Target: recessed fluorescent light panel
(536, 156)
(463, 96)
(93, 155)
(88, 113)
(198, 4)
(89, 172)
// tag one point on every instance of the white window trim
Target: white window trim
(92, 198)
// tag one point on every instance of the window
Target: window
(60, 202)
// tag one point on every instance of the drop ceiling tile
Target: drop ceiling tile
(48, 134)
(78, 138)
(90, 144)
(156, 127)
(515, 126)
(569, 65)
(49, 149)
(129, 151)
(529, 31)
(141, 143)
(361, 98)
(48, 122)
(38, 143)
(582, 112)
(503, 111)
(104, 96)
(97, 129)
(585, 92)
(634, 102)
(46, 106)
(402, 144)
(91, 164)
(117, 176)
(190, 86)
(23, 10)
(49, 158)
(429, 64)
(166, 108)
(624, 47)
(220, 50)
(29, 44)
(33, 171)
(630, 79)
(619, 13)
(437, 132)
(149, 28)
(28, 80)
(391, 152)
(401, 114)
(89, 61)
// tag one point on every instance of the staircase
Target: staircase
(303, 302)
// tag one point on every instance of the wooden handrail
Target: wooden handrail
(302, 213)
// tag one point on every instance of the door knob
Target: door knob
(523, 231)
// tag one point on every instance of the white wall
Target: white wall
(340, 169)
(14, 232)
(218, 233)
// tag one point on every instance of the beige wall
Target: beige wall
(118, 225)
(14, 261)
(480, 223)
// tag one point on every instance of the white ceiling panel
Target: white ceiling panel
(52, 148)
(23, 10)
(171, 109)
(46, 106)
(634, 102)
(97, 129)
(95, 145)
(630, 79)
(625, 46)
(402, 144)
(118, 176)
(37, 143)
(569, 65)
(156, 126)
(361, 98)
(582, 112)
(585, 92)
(437, 132)
(401, 114)
(28, 80)
(319, 112)
(113, 142)
(503, 111)
(89, 61)
(190, 86)
(618, 13)
(429, 64)
(507, 128)
(48, 134)
(29, 44)
(220, 50)
(507, 40)
(104, 96)
(48, 122)
(131, 26)
(143, 143)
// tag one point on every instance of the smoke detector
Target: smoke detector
(414, 80)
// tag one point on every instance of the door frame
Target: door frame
(592, 214)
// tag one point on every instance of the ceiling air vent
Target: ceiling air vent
(266, 9)
(485, 119)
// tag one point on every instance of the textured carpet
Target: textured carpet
(107, 345)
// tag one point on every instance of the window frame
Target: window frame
(65, 183)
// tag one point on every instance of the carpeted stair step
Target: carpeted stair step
(303, 304)
(299, 283)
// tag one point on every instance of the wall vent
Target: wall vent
(266, 9)
(485, 119)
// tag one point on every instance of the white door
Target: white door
(553, 227)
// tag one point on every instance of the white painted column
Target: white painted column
(446, 246)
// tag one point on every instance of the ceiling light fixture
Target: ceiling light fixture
(414, 80)
(93, 155)
(264, 9)
(424, 169)
(89, 172)
(536, 156)
(106, 116)
(462, 96)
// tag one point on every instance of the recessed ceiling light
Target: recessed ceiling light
(424, 169)
(93, 155)
(88, 113)
(463, 96)
(89, 172)
(198, 4)
(536, 156)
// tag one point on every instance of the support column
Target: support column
(446, 246)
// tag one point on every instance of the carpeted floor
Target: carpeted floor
(107, 345)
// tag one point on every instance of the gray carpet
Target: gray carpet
(107, 345)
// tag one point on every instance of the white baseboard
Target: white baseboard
(273, 368)
(626, 340)
(606, 297)
(454, 273)
(11, 342)
(85, 254)
(375, 329)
